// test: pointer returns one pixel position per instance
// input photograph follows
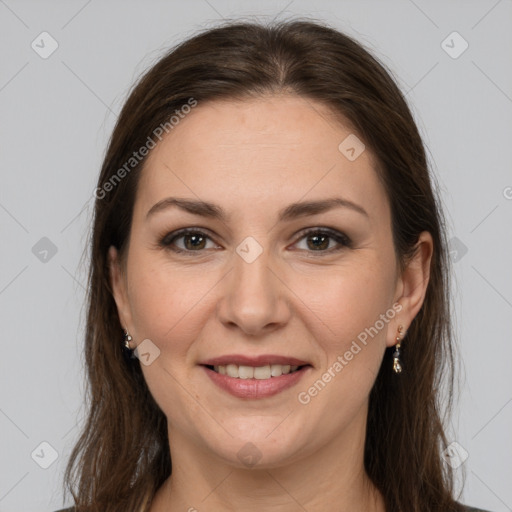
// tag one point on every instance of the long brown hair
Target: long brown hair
(122, 456)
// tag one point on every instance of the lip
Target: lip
(260, 360)
(256, 388)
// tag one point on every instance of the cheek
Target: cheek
(346, 300)
(346, 320)
(169, 307)
(166, 303)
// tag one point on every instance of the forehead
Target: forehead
(261, 152)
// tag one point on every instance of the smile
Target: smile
(255, 382)
(250, 372)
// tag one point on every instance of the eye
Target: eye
(323, 240)
(187, 240)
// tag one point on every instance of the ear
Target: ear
(412, 286)
(119, 288)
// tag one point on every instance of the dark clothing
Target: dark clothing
(468, 509)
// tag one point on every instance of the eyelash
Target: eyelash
(342, 239)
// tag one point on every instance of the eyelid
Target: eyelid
(339, 237)
(166, 241)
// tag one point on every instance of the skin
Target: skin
(253, 158)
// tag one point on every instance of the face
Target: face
(257, 247)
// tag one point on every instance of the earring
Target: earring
(127, 351)
(397, 365)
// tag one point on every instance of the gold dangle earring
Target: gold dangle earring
(397, 365)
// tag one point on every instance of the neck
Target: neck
(333, 474)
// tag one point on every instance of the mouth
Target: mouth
(255, 378)
(264, 372)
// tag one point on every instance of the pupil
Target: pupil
(194, 241)
(319, 242)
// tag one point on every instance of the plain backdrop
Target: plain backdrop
(60, 93)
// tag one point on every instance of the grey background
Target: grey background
(57, 114)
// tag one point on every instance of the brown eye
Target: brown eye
(187, 241)
(318, 242)
(323, 241)
(193, 242)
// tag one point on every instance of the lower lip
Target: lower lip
(256, 388)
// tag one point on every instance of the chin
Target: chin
(259, 443)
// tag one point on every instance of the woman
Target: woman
(268, 321)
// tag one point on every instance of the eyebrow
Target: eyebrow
(292, 211)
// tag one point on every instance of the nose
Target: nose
(254, 297)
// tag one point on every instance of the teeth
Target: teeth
(285, 368)
(246, 372)
(232, 370)
(258, 372)
(276, 370)
(262, 372)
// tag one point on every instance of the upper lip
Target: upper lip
(261, 360)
